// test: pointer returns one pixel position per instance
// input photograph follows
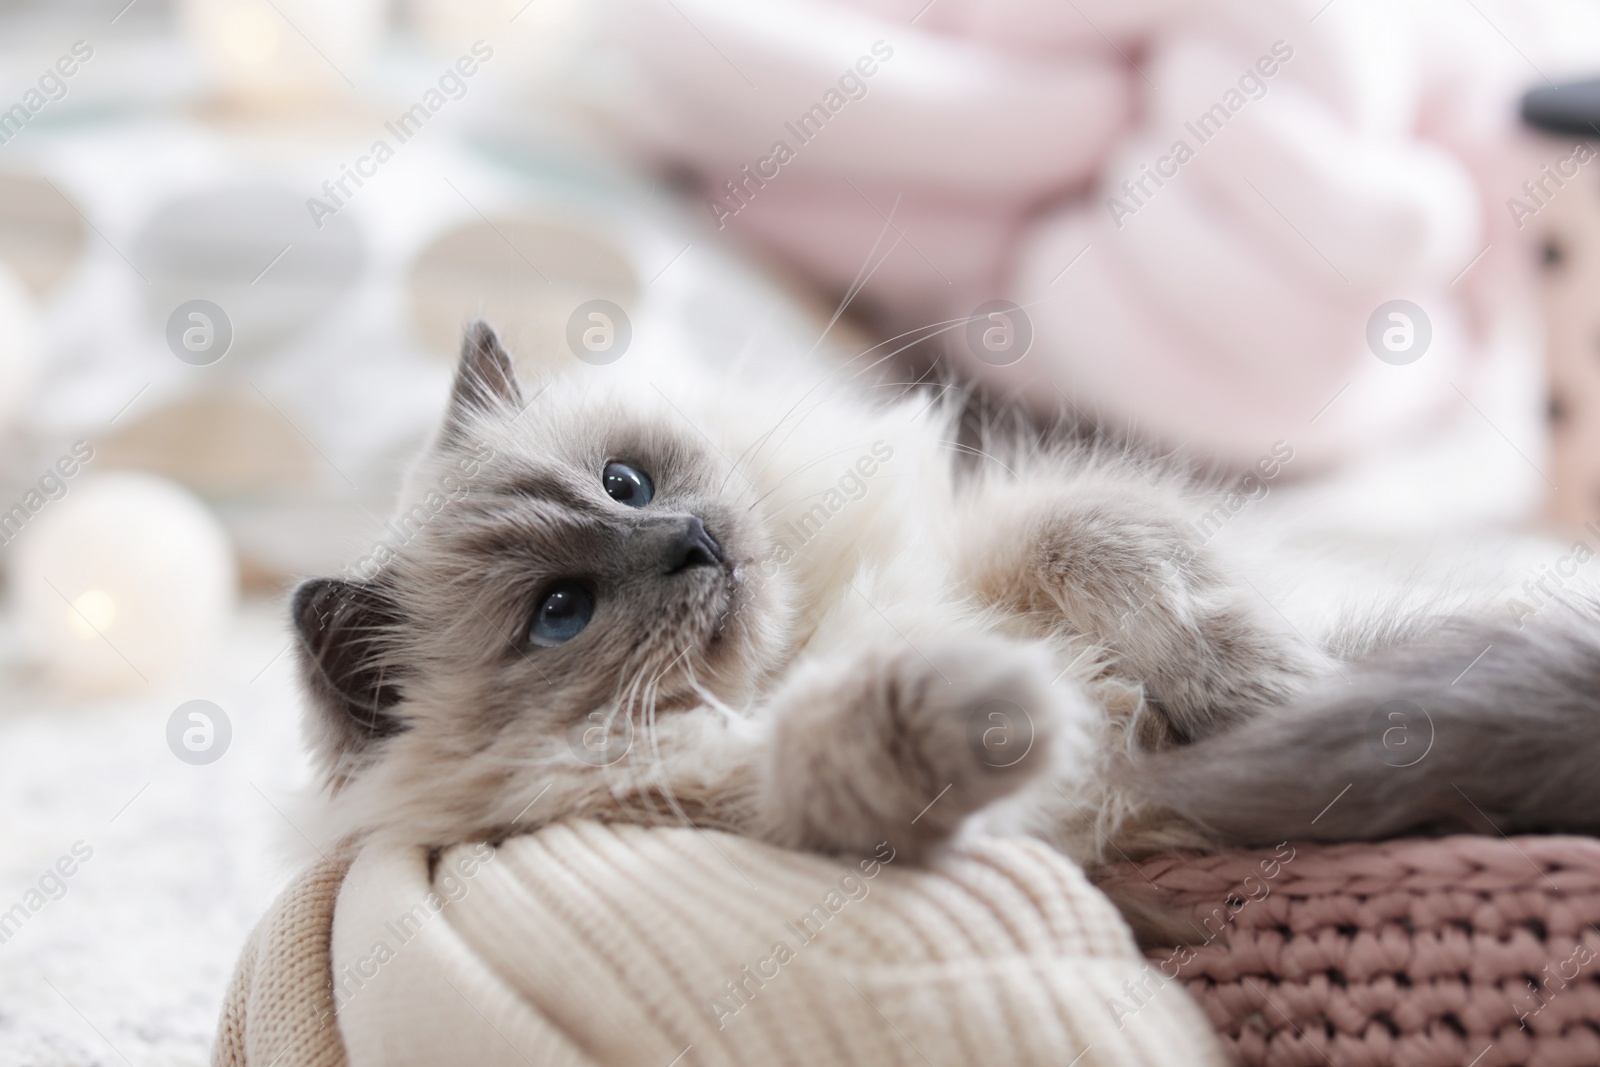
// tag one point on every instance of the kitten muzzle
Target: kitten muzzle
(693, 547)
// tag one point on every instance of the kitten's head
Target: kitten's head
(573, 551)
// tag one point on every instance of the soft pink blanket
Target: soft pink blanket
(1200, 204)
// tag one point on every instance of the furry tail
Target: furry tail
(1472, 725)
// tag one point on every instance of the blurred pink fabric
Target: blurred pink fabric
(1229, 308)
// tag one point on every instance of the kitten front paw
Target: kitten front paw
(903, 744)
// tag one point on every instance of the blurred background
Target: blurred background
(1313, 244)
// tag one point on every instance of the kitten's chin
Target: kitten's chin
(744, 637)
(726, 630)
(735, 602)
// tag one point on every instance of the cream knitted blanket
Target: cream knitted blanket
(587, 944)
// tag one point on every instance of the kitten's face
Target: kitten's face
(597, 549)
(579, 553)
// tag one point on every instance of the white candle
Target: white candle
(122, 582)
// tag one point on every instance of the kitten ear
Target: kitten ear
(486, 378)
(345, 665)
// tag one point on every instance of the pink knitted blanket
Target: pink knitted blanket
(1462, 951)
(1199, 203)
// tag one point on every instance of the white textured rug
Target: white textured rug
(128, 964)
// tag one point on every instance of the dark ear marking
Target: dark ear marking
(486, 377)
(345, 665)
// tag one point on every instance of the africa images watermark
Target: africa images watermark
(51, 86)
(409, 523)
(1251, 487)
(1538, 189)
(1144, 989)
(52, 485)
(1540, 592)
(795, 534)
(1252, 86)
(851, 86)
(51, 886)
(451, 884)
(739, 992)
(452, 85)
(1580, 958)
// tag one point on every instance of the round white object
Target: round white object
(21, 337)
(122, 581)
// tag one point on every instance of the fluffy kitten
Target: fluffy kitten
(805, 620)
(821, 622)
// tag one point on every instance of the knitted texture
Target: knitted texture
(1421, 953)
(585, 944)
(278, 1006)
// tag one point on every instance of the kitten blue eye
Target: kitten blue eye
(627, 485)
(565, 610)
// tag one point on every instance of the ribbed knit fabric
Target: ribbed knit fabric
(1415, 953)
(586, 944)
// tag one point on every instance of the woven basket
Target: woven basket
(1424, 953)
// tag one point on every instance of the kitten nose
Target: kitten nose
(694, 547)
